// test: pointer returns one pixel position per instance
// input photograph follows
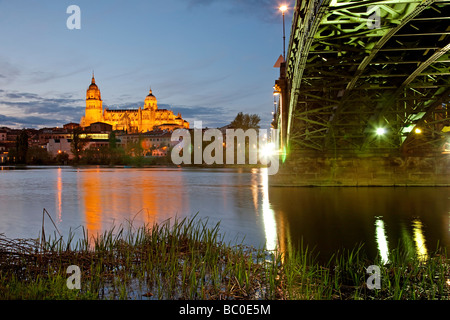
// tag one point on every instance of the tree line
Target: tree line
(110, 154)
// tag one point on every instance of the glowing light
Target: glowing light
(283, 154)
(276, 90)
(418, 131)
(267, 150)
(283, 8)
(381, 131)
(446, 148)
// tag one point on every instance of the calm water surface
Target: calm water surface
(247, 209)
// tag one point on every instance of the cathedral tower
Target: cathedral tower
(94, 104)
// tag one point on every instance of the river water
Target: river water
(249, 212)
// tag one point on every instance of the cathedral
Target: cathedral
(146, 118)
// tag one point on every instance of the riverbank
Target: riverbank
(138, 166)
(188, 259)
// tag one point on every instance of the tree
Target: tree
(134, 148)
(38, 156)
(115, 152)
(246, 121)
(62, 158)
(112, 141)
(77, 145)
(22, 147)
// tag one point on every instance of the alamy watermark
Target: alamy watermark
(374, 280)
(256, 146)
(374, 20)
(74, 280)
(74, 20)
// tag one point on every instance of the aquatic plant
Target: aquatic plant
(188, 259)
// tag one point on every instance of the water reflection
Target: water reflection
(419, 238)
(331, 219)
(327, 219)
(270, 225)
(113, 198)
(255, 187)
(91, 186)
(381, 239)
(418, 247)
(59, 187)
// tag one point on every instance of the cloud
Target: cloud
(45, 76)
(20, 109)
(212, 117)
(21, 95)
(25, 109)
(27, 121)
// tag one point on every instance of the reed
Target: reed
(188, 259)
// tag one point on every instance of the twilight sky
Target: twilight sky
(207, 59)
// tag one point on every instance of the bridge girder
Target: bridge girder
(347, 77)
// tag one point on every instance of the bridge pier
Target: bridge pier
(326, 170)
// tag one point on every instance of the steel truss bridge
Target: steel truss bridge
(366, 76)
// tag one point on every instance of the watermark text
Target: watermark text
(207, 146)
(74, 20)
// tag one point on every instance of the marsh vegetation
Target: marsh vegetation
(188, 259)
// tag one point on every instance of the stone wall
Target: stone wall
(367, 170)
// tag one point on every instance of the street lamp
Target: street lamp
(283, 9)
(381, 131)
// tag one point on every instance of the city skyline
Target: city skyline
(205, 59)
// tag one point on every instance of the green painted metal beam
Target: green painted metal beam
(344, 77)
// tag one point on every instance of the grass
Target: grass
(187, 259)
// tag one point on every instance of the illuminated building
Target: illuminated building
(144, 119)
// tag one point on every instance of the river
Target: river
(249, 212)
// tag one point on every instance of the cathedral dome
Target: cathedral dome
(150, 96)
(150, 101)
(93, 92)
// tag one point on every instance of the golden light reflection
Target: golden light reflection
(90, 183)
(270, 225)
(381, 238)
(59, 187)
(422, 252)
(150, 202)
(108, 203)
(254, 186)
